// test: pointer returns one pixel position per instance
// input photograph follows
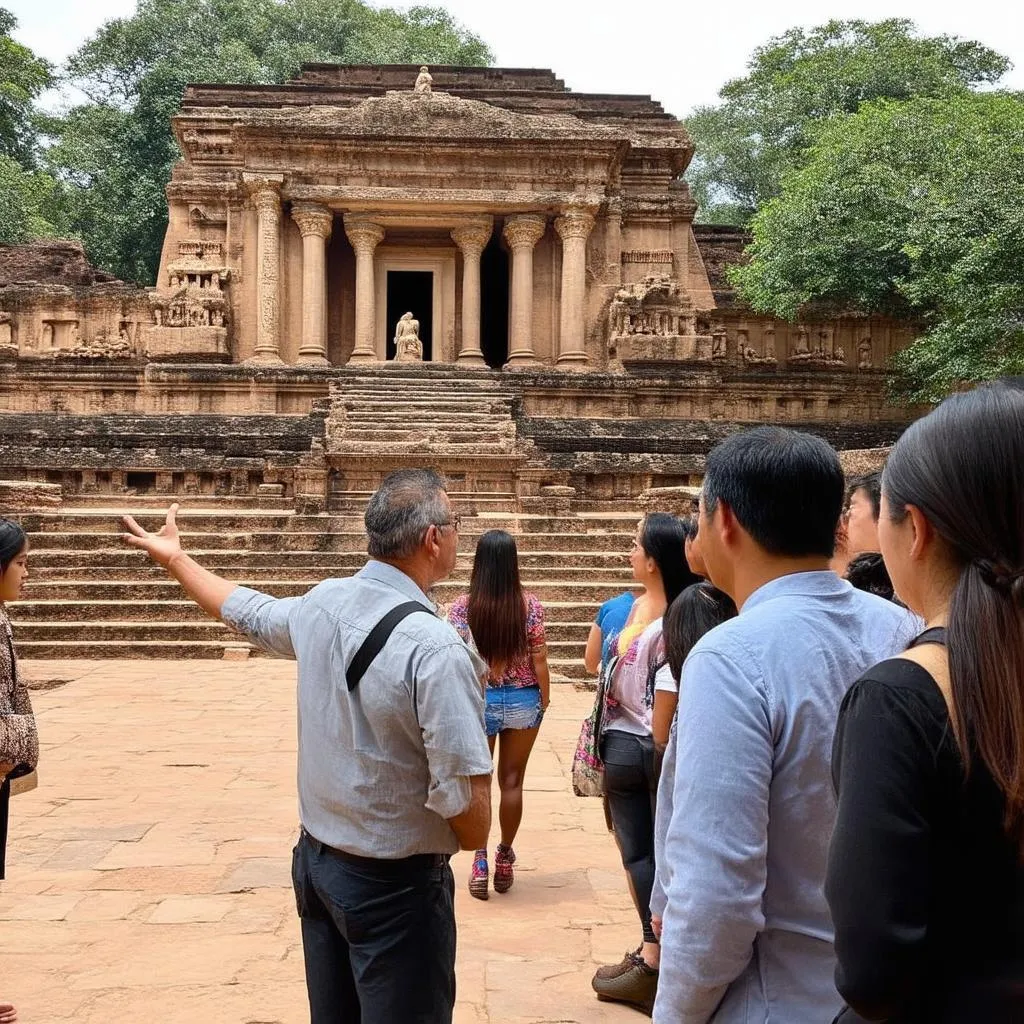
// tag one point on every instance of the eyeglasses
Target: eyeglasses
(454, 521)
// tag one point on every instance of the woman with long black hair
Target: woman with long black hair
(658, 560)
(19, 743)
(505, 625)
(926, 867)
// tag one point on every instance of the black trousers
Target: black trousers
(5, 806)
(378, 936)
(630, 787)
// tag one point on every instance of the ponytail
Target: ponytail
(963, 467)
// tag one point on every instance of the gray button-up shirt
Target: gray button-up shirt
(747, 934)
(381, 768)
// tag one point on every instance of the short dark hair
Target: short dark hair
(12, 542)
(785, 488)
(871, 485)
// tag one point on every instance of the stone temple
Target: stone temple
(574, 348)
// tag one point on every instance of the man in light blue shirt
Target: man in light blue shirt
(746, 931)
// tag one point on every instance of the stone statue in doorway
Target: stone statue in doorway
(424, 81)
(408, 347)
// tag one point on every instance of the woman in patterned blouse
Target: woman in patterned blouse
(505, 625)
(19, 744)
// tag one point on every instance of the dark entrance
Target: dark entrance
(494, 285)
(411, 291)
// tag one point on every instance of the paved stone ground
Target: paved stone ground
(148, 876)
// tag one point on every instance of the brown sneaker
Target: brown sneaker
(614, 970)
(636, 986)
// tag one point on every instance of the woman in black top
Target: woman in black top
(925, 877)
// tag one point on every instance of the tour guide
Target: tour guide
(394, 768)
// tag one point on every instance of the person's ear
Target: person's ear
(725, 522)
(922, 533)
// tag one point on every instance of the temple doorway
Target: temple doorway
(411, 291)
(494, 286)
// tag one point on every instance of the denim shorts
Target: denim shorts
(512, 707)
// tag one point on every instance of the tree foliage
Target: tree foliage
(912, 208)
(766, 120)
(23, 76)
(117, 150)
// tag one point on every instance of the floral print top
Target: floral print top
(630, 697)
(518, 673)
(19, 742)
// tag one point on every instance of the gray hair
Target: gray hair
(406, 503)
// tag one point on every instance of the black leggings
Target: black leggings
(5, 800)
(630, 787)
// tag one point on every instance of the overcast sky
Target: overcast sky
(680, 53)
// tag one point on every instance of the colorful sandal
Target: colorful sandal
(504, 876)
(479, 875)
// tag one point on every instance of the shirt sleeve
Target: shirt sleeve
(263, 619)
(717, 837)
(663, 814)
(19, 740)
(665, 681)
(535, 623)
(878, 883)
(450, 709)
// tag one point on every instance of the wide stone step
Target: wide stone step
(151, 607)
(280, 569)
(102, 521)
(349, 541)
(60, 563)
(157, 590)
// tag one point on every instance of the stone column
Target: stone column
(315, 222)
(471, 239)
(573, 227)
(522, 232)
(266, 198)
(365, 235)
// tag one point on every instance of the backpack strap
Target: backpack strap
(377, 638)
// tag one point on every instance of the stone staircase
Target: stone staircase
(91, 597)
(421, 411)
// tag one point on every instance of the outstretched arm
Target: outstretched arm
(208, 590)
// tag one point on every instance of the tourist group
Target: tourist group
(808, 734)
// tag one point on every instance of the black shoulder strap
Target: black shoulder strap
(935, 635)
(377, 638)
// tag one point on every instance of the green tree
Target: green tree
(117, 150)
(760, 131)
(28, 197)
(23, 76)
(914, 209)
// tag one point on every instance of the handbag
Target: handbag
(587, 766)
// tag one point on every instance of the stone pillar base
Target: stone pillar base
(313, 360)
(471, 359)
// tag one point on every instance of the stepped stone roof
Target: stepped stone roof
(721, 246)
(60, 262)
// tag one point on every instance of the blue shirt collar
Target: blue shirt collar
(815, 583)
(392, 577)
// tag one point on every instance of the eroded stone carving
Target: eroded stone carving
(424, 81)
(655, 319)
(865, 354)
(408, 347)
(824, 353)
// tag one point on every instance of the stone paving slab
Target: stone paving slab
(148, 875)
